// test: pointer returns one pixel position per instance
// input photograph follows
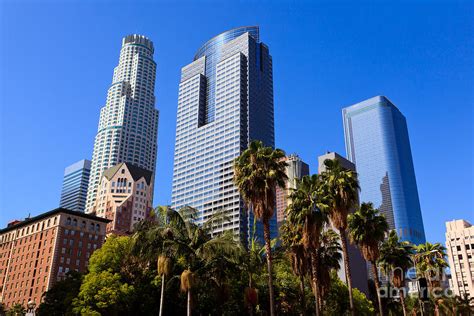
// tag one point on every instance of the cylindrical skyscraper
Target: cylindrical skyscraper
(128, 124)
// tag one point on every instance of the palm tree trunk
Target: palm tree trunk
(303, 301)
(402, 301)
(314, 265)
(377, 286)
(189, 303)
(268, 250)
(348, 269)
(162, 293)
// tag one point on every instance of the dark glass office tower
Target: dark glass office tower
(225, 101)
(377, 143)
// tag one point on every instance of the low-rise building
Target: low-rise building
(124, 196)
(38, 251)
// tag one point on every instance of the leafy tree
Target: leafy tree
(304, 214)
(103, 292)
(339, 194)
(16, 310)
(395, 258)
(367, 229)
(337, 300)
(58, 300)
(257, 172)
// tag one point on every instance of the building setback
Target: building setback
(296, 169)
(225, 101)
(74, 191)
(357, 263)
(377, 142)
(128, 124)
(460, 249)
(37, 252)
(124, 197)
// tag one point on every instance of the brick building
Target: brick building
(37, 252)
(124, 196)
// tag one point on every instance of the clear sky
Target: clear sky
(57, 60)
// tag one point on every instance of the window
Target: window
(68, 221)
(83, 224)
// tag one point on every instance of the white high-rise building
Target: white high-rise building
(128, 124)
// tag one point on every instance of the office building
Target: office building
(38, 251)
(357, 263)
(225, 101)
(128, 122)
(460, 250)
(124, 197)
(295, 169)
(74, 191)
(377, 142)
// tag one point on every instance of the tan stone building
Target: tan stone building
(296, 169)
(124, 196)
(460, 249)
(38, 251)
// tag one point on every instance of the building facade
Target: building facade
(377, 142)
(295, 169)
(74, 191)
(225, 101)
(357, 263)
(128, 124)
(124, 197)
(37, 252)
(460, 250)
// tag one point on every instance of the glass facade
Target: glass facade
(74, 190)
(225, 100)
(377, 142)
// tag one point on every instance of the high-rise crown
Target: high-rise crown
(138, 39)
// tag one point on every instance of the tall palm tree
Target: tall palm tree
(329, 256)
(290, 236)
(396, 259)
(367, 229)
(304, 212)
(429, 261)
(257, 173)
(339, 193)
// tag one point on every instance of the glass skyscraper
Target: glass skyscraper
(128, 123)
(74, 191)
(225, 101)
(377, 142)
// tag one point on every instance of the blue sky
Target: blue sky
(57, 60)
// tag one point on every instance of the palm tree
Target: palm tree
(430, 260)
(395, 258)
(303, 211)
(367, 229)
(164, 270)
(257, 173)
(339, 194)
(329, 256)
(290, 236)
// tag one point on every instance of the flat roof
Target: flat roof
(51, 213)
